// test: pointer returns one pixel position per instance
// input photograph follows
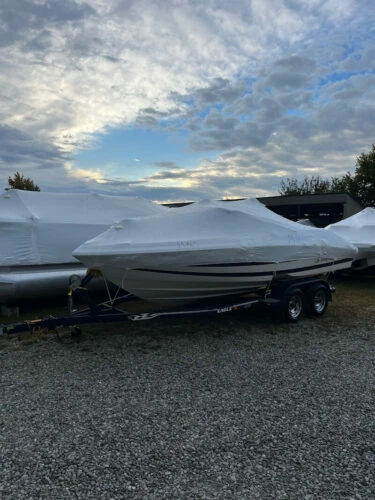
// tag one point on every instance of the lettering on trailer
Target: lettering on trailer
(140, 317)
(224, 309)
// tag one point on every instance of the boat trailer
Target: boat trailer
(290, 297)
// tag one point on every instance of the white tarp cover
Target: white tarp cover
(306, 222)
(38, 228)
(242, 231)
(359, 229)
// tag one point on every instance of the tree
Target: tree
(309, 185)
(19, 181)
(360, 185)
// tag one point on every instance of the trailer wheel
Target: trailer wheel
(292, 305)
(317, 300)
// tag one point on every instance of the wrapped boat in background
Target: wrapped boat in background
(40, 230)
(359, 229)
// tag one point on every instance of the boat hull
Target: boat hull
(179, 286)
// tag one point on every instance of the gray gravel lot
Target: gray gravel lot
(231, 407)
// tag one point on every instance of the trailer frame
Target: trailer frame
(292, 297)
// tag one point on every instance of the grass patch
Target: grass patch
(355, 297)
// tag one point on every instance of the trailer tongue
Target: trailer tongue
(108, 313)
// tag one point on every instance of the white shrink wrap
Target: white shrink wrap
(39, 228)
(39, 231)
(208, 231)
(211, 248)
(359, 229)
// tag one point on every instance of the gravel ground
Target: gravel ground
(239, 406)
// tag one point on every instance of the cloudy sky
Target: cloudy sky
(184, 99)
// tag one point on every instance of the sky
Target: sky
(177, 100)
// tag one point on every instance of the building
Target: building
(320, 209)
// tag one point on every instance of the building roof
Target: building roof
(311, 199)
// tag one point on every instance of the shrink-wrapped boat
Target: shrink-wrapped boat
(211, 249)
(359, 229)
(39, 231)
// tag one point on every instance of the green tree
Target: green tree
(308, 185)
(19, 181)
(360, 185)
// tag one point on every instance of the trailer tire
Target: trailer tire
(292, 305)
(317, 300)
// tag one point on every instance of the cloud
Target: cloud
(220, 91)
(296, 63)
(269, 110)
(360, 60)
(166, 164)
(287, 80)
(225, 133)
(267, 86)
(230, 176)
(292, 72)
(243, 106)
(298, 127)
(22, 17)
(17, 147)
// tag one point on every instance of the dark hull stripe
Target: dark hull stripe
(239, 264)
(316, 266)
(263, 273)
(187, 273)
